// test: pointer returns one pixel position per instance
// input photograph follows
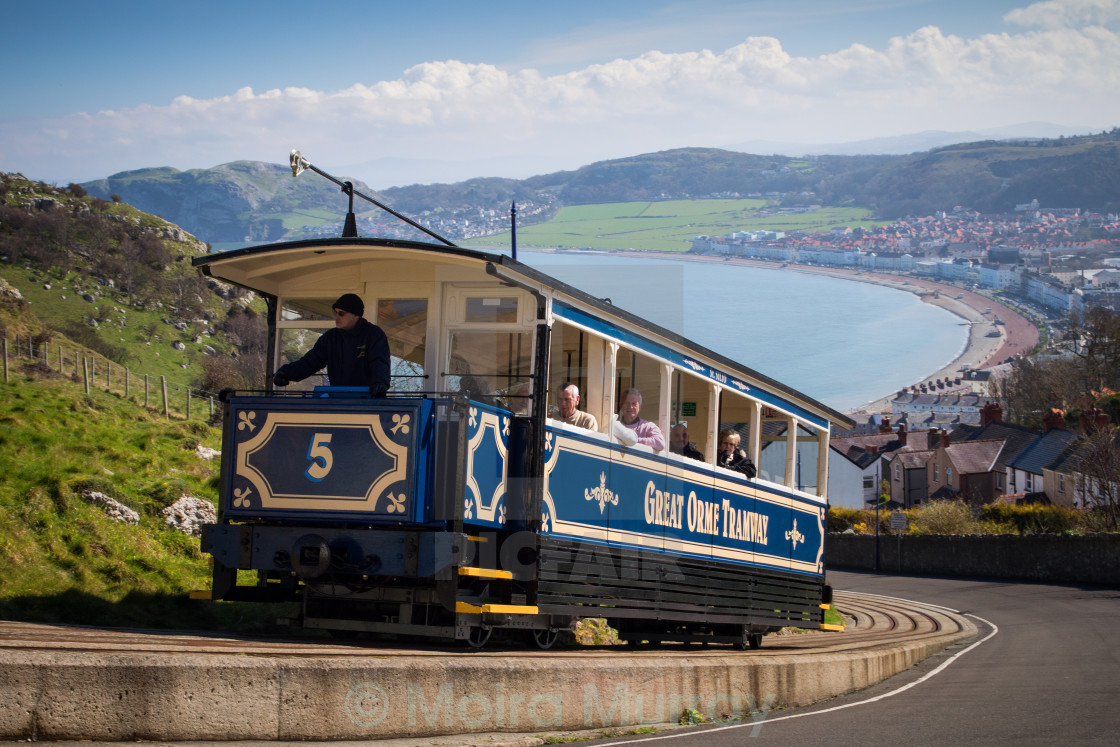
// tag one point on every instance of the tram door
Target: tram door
(489, 358)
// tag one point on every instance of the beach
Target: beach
(1018, 335)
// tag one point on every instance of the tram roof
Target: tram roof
(258, 268)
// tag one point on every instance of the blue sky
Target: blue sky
(445, 90)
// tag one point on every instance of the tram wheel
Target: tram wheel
(749, 640)
(545, 638)
(478, 637)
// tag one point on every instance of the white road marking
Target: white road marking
(754, 725)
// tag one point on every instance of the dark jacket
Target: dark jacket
(358, 357)
(738, 461)
(691, 452)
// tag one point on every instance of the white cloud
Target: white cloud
(458, 112)
(1053, 14)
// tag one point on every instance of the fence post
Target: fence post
(108, 376)
(92, 372)
(145, 390)
(85, 373)
(60, 361)
(188, 403)
(211, 407)
(5, 359)
(126, 383)
(163, 386)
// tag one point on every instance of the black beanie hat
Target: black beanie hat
(350, 302)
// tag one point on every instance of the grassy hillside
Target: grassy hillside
(63, 559)
(670, 225)
(108, 278)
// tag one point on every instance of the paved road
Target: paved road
(1043, 670)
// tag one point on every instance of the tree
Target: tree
(1094, 337)
(76, 189)
(1097, 470)
(1033, 387)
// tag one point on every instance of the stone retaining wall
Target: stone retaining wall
(1091, 559)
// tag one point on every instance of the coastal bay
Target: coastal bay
(915, 347)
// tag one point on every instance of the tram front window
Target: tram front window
(405, 323)
(491, 367)
(301, 322)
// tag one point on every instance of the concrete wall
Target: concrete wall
(1092, 559)
(120, 697)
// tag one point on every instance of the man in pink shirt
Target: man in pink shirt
(647, 432)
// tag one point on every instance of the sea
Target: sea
(842, 342)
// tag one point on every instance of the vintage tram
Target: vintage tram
(457, 504)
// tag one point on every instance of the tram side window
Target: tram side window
(774, 461)
(405, 323)
(690, 406)
(491, 367)
(635, 371)
(808, 452)
(301, 322)
(571, 351)
(772, 456)
(735, 416)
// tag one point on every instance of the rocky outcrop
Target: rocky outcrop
(113, 508)
(188, 514)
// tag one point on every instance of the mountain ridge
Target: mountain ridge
(255, 201)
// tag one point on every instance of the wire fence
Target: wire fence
(97, 372)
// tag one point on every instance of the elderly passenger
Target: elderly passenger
(645, 431)
(567, 404)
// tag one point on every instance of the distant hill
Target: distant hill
(239, 201)
(900, 145)
(256, 201)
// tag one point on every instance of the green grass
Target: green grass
(64, 560)
(832, 617)
(298, 218)
(150, 354)
(670, 225)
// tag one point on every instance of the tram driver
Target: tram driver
(355, 352)
(631, 429)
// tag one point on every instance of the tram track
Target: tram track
(874, 622)
(81, 683)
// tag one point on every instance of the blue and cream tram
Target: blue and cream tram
(456, 504)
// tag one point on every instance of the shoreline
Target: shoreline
(1018, 334)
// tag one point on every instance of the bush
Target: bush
(942, 517)
(840, 519)
(859, 520)
(1032, 519)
